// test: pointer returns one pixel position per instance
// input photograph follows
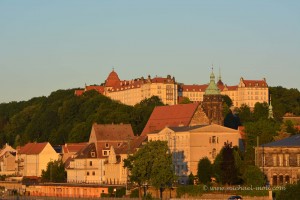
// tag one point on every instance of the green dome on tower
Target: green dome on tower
(212, 88)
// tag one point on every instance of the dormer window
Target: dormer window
(93, 154)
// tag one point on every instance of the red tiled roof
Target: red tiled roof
(32, 148)
(161, 80)
(98, 88)
(112, 79)
(113, 132)
(79, 92)
(134, 144)
(196, 88)
(73, 147)
(174, 115)
(255, 83)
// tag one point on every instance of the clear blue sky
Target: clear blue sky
(46, 45)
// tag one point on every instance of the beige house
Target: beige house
(189, 144)
(101, 161)
(34, 157)
(7, 160)
(280, 160)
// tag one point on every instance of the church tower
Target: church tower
(270, 110)
(212, 102)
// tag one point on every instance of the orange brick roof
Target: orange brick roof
(174, 115)
(32, 148)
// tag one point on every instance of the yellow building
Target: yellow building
(101, 160)
(34, 157)
(189, 144)
(247, 92)
(131, 92)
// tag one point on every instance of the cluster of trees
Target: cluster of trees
(152, 165)
(63, 117)
(229, 168)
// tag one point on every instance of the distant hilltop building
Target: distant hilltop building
(131, 92)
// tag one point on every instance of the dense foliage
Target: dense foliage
(63, 117)
(55, 172)
(151, 165)
(291, 192)
(204, 171)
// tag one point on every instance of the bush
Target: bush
(190, 190)
(134, 193)
(291, 192)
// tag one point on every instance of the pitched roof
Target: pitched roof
(185, 128)
(214, 128)
(175, 115)
(293, 141)
(73, 147)
(112, 132)
(132, 147)
(32, 148)
(98, 88)
(193, 88)
(255, 83)
(86, 152)
(112, 79)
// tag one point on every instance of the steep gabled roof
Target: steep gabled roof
(132, 145)
(32, 148)
(293, 141)
(112, 132)
(175, 115)
(112, 79)
(87, 151)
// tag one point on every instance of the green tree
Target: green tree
(263, 130)
(204, 172)
(55, 172)
(152, 164)
(228, 165)
(227, 100)
(244, 113)
(291, 192)
(191, 179)
(185, 100)
(253, 176)
(261, 111)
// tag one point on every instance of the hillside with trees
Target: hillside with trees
(63, 117)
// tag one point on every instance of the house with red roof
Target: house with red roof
(101, 160)
(34, 157)
(175, 115)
